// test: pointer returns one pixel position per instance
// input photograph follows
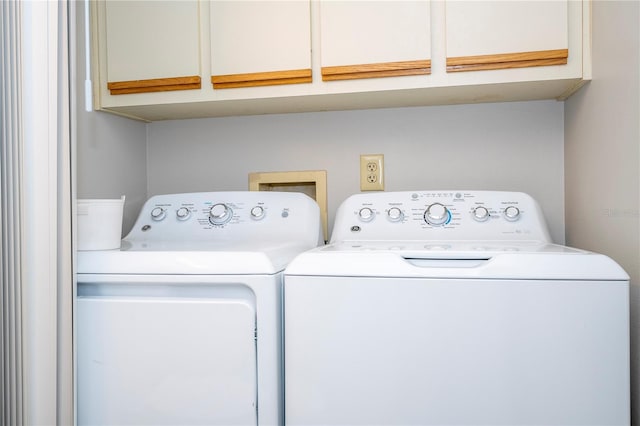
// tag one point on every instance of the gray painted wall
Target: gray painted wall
(112, 162)
(509, 146)
(602, 155)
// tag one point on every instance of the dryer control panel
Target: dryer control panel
(440, 215)
(234, 216)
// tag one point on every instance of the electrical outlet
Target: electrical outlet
(372, 172)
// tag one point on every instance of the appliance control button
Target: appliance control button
(437, 214)
(220, 214)
(366, 214)
(257, 213)
(158, 213)
(512, 213)
(395, 214)
(481, 214)
(183, 213)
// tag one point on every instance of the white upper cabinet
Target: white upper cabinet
(151, 45)
(486, 34)
(241, 57)
(257, 43)
(372, 38)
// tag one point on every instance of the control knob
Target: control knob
(366, 214)
(158, 213)
(183, 213)
(220, 213)
(257, 212)
(437, 214)
(395, 214)
(512, 213)
(481, 214)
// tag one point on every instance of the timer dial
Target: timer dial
(437, 214)
(220, 213)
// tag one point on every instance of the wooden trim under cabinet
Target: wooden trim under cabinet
(271, 78)
(383, 69)
(154, 85)
(508, 60)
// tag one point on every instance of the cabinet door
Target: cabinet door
(260, 43)
(373, 38)
(152, 46)
(483, 35)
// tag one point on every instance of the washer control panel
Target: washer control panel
(227, 215)
(445, 215)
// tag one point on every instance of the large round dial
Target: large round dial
(437, 214)
(220, 214)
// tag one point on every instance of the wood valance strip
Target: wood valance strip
(383, 69)
(261, 79)
(508, 60)
(154, 85)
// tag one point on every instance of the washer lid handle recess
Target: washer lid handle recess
(446, 263)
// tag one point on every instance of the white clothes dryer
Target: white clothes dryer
(182, 324)
(453, 308)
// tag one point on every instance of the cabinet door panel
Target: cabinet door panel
(505, 34)
(256, 43)
(364, 39)
(141, 35)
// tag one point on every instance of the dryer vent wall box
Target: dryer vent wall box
(182, 324)
(310, 182)
(453, 307)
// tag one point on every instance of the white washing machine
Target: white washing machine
(182, 324)
(453, 308)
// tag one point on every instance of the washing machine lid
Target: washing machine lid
(531, 260)
(190, 258)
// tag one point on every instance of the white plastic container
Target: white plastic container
(99, 224)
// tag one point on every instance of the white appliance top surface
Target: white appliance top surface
(448, 234)
(213, 233)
